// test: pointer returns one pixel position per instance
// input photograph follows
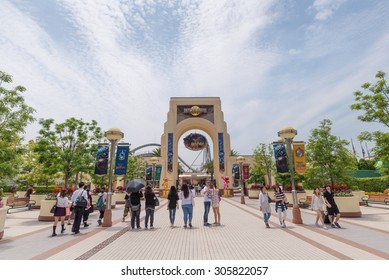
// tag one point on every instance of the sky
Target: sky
(273, 63)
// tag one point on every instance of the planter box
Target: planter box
(289, 197)
(228, 193)
(3, 217)
(360, 195)
(348, 206)
(44, 212)
(38, 198)
(119, 197)
(254, 193)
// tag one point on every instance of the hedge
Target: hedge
(376, 184)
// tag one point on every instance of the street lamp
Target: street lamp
(240, 160)
(288, 133)
(113, 135)
(153, 161)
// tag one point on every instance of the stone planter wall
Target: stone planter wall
(20, 193)
(119, 198)
(3, 217)
(38, 198)
(44, 212)
(254, 193)
(359, 194)
(289, 197)
(348, 206)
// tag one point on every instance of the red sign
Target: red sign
(246, 171)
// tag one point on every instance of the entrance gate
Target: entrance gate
(203, 113)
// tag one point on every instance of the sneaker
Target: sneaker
(283, 225)
(151, 227)
(267, 225)
(139, 228)
(63, 230)
(99, 222)
(324, 227)
(146, 227)
(54, 234)
(337, 225)
(185, 226)
(86, 225)
(190, 225)
(317, 225)
(332, 225)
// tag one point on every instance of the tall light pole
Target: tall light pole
(240, 161)
(153, 161)
(288, 133)
(114, 135)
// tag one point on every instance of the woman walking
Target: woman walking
(60, 211)
(216, 204)
(317, 206)
(149, 207)
(89, 208)
(172, 197)
(264, 205)
(186, 197)
(280, 205)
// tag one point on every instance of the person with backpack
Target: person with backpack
(79, 198)
(101, 204)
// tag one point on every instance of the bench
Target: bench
(19, 202)
(376, 199)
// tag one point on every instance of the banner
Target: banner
(158, 170)
(149, 173)
(121, 160)
(246, 171)
(236, 172)
(101, 163)
(299, 158)
(281, 158)
(170, 152)
(221, 151)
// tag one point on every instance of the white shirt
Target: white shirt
(317, 202)
(207, 194)
(185, 201)
(62, 201)
(78, 192)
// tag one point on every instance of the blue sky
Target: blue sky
(272, 63)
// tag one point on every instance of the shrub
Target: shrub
(376, 184)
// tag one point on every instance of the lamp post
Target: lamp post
(113, 135)
(288, 133)
(240, 161)
(153, 161)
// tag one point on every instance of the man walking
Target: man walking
(207, 192)
(78, 208)
(332, 208)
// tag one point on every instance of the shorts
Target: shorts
(333, 210)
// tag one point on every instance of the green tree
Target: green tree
(366, 164)
(234, 153)
(373, 100)
(67, 147)
(329, 160)
(263, 164)
(156, 152)
(209, 168)
(15, 115)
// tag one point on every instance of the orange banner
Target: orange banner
(299, 158)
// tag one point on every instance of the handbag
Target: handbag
(156, 201)
(81, 201)
(91, 209)
(52, 210)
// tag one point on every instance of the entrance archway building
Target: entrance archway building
(189, 113)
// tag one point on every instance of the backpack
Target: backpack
(100, 203)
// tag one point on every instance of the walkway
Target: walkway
(242, 236)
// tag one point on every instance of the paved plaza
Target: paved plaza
(241, 236)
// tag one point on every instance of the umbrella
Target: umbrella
(135, 185)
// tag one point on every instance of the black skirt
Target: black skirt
(60, 212)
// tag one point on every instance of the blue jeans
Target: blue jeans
(149, 214)
(266, 216)
(188, 212)
(207, 207)
(172, 215)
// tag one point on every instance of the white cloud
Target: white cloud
(324, 9)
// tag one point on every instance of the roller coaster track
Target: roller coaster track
(150, 154)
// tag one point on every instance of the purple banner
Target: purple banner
(281, 158)
(101, 164)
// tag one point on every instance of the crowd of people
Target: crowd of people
(80, 206)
